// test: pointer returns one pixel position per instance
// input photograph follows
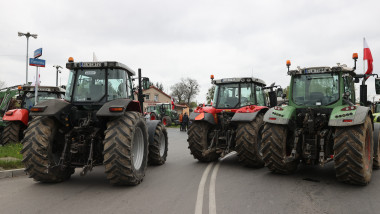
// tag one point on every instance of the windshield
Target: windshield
(90, 85)
(237, 95)
(315, 89)
(42, 96)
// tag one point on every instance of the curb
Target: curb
(12, 173)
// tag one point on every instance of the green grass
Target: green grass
(174, 126)
(11, 164)
(11, 150)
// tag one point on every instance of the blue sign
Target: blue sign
(37, 62)
(38, 53)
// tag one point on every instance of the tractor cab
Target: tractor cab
(322, 86)
(28, 97)
(98, 82)
(235, 93)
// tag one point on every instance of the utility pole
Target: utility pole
(27, 35)
(57, 67)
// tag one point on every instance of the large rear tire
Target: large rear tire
(126, 149)
(353, 153)
(248, 140)
(12, 132)
(158, 151)
(40, 153)
(275, 149)
(199, 141)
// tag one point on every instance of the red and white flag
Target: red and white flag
(173, 104)
(367, 56)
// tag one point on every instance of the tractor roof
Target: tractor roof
(323, 69)
(43, 88)
(240, 79)
(106, 64)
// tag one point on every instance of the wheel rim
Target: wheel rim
(162, 144)
(152, 117)
(164, 121)
(138, 148)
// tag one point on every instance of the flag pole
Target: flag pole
(363, 55)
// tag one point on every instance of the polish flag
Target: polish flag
(367, 56)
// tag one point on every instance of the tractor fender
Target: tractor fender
(126, 104)
(152, 125)
(280, 116)
(17, 115)
(51, 107)
(342, 118)
(202, 116)
(247, 117)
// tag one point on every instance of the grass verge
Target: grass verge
(11, 151)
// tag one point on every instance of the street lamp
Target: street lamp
(27, 35)
(57, 67)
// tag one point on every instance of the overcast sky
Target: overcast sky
(170, 40)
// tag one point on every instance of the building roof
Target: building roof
(154, 87)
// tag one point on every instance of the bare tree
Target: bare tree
(192, 88)
(178, 92)
(210, 94)
(160, 86)
(185, 90)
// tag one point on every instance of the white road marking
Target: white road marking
(211, 198)
(201, 189)
(211, 195)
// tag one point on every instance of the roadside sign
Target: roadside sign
(38, 53)
(37, 62)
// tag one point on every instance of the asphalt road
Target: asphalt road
(183, 185)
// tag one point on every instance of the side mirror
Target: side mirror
(145, 83)
(272, 98)
(377, 85)
(357, 80)
(279, 92)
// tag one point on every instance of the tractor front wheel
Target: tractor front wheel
(248, 140)
(353, 153)
(166, 121)
(40, 152)
(275, 150)
(126, 149)
(153, 116)
(199, 141)
(158, 151)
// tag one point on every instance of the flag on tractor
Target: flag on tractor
(172, 104)
(367, 56)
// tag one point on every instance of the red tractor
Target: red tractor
(16, 120)
(234, 122)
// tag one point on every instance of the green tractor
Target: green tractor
(376, 112)
(97, 123)
(163, 112)
(322, 124)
